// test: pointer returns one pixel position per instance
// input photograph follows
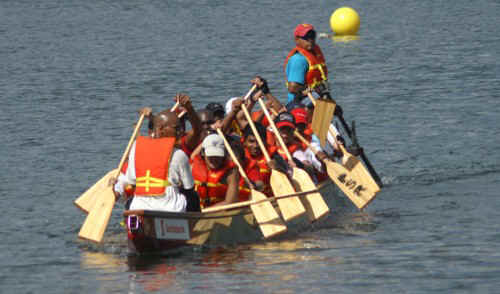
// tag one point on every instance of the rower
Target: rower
(251, 170)
(285, 122)
(313, 163)
(215, 176)
(190, 139)
(254, 156)
(159, 170)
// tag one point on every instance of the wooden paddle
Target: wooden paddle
(290, 207)
(352, 136)
(315, 204)
(87, 200)
(269, 221)
(323, 111)
(97, 220)
(359, 189)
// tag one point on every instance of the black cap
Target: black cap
(285, 119)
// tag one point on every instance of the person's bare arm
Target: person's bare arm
(232, 193)
(193, 136)
(232, 115)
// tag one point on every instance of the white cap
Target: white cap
(213, 145)
(229, 104)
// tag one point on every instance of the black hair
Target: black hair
(260, 129)
(216, 108)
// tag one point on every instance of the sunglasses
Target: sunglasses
(311, 35)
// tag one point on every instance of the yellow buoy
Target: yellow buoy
(344, 21)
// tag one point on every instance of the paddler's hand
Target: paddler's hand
(259, 186)
(184, 100)
(257, 95)
(321, 156)
(147, 111)
(111, 183)
(236, 106)
(283, 109)
(261, 84)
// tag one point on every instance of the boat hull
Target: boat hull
(153, 231)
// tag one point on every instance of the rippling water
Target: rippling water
(422, 83)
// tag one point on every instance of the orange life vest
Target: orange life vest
(152, 160)
(263, 121)
(208, 183)
(317, 72)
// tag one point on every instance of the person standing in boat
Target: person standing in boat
(216, 178)
(305, 65)
(159, 169)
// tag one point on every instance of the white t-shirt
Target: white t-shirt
(179, 176)
(308, 157)
(330, 141)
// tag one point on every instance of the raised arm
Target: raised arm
(193, 136)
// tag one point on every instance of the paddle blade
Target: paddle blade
(323, 115)
(87, 200)
(351, 184)
(290, 207)
(266, 216)
(315, 204)
(97, 220)
(359, 171)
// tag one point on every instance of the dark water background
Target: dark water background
(422, 83)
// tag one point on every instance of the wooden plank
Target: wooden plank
(252, 202)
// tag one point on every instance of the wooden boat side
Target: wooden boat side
(162, 230)
(165, 230)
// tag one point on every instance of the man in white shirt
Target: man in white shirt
(159, 170)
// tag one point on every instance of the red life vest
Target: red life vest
(317, 72)
(208, 183)
(258, 166)
(152, 160)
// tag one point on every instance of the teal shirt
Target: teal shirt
(296, 70)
